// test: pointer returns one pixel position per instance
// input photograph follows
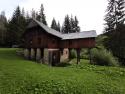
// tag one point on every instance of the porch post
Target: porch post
(78, 55)
(90, 56)
(69, 57)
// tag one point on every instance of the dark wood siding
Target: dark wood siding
(78, 43)
(39, 38)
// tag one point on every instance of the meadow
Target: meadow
(20, 76)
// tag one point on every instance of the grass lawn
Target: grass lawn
(20, 76)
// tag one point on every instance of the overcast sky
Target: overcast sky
(90, 13)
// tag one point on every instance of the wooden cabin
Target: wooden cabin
(46, 44)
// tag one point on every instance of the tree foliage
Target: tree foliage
(70, 25)
(55, 25)
(16, 27)
(3, 22)
(41, 15)
(115, 27)
(115, 15)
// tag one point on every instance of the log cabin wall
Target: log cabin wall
(78, 43)
(37, 38)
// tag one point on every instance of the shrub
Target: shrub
(73, 54)
(84, 54)
(103, 57)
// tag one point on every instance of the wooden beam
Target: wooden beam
(78, 55)
(69, 53)
(90, 56)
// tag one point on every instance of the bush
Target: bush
(73, 54)
(103, 57)
(84, 54)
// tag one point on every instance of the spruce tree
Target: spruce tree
(54, 24)
(66, 28)
(115, 15)
(115, 18)
(72, 22)
(120, 12)
(3, 29)
(77, 28)
(58, 27)
(33, 14)
(70, 25)
(42, 15)
(16, 27)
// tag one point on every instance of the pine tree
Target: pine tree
(70, 25)
(120, 12)
(72, 22)
(27, 15)
(77, 28)
(33, 14)
(58, 27)
(66, 28)
(3, 22)
(42, 15)
(23, 12)
(54, 24)
(115, 18)
(110, 16)
(16, 27)
(115, 15)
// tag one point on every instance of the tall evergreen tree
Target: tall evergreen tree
(115, 15)
(23, 12)
(33, 14)
(15, 28)
(77, 28)
(58, 27)
(3, 22)
(72, 22)
(66, 28)
(70, 25)
(115, 27)
(42, 15)
(27, 15)
(54, 24)
(120, 11)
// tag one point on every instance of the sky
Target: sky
(90, 13)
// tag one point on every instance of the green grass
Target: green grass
(20, 76)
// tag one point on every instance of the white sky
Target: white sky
(90, 13)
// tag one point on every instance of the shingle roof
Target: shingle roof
(77, 35)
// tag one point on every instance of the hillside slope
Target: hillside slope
(19, 76)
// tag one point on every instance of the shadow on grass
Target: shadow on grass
(63, 65)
